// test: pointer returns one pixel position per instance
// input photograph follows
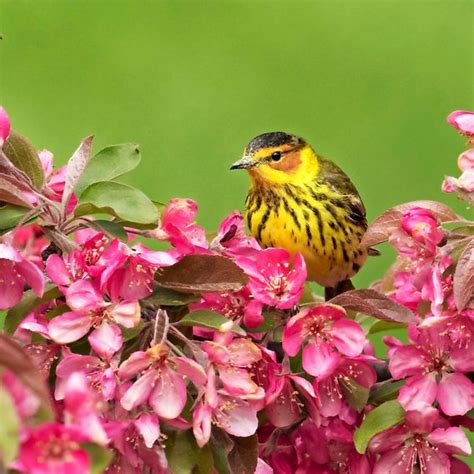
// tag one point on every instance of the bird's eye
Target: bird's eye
(276, 156)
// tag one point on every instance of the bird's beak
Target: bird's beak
(244, 163)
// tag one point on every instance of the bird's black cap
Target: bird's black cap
(271, 139)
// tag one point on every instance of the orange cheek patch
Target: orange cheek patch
(289, 163)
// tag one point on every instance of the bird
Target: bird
(302, 202)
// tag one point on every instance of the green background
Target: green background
(368, 83)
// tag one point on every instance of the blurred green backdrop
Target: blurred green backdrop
(368, 83)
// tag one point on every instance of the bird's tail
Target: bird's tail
(341, 287)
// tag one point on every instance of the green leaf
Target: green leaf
(379, 419)
(23, 155)
(381, 326)
(165, 297)
(111, 228)
(385, 392)
(100, 457)
(9, 429)
(10, 216)
(208, 319)
(356, 395)
(185, 457)
(27, 304)
(119, 200)
(269, 318)
(110, 163)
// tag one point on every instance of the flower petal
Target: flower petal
(69, 327)
(455, 394)
(169, 396)
(319, 359)
(106, 340)
(418, 392)
(139, 392)
(348, 337)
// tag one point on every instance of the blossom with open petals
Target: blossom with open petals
(422, 441)
(53, 448)
(435, 369)
(273, 279)
(158, 383)
(15, 271)
(328, 334)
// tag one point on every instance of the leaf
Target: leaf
(381, 228)
(210, 320)
(11, 194)
(27, 304)
(355, 395)
(110, 163)
(244, 455)
(382, 326)
(23, 155)
(120, 200)
(10, 216)
(75, 167)
(100, 457)
(375, 304)
(14, 358)
(166, 297)
(379, 419)
(111, 228)
(384, 392)
(269, 318)
(9, 429)
(185, 457)
(202, 273)
(463, 284)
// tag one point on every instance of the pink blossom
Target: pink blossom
(328, 332)
(89, 310)
(29, 240)
(462, 120)
(158, 384)
(177, 226)
(435, 369)
(231, 239)
(26, 403)
(132, 274)
(4, 126)
(421, 441)
(15, 271)
(238, 306)
(273, 280)
(53, 448)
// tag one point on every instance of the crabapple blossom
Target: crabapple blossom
(273, 279)
(15, 271)
(328, 334)
(462, 120)
(423, 440)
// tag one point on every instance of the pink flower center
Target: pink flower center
(277, 285)
(56, 448)
(316, 327)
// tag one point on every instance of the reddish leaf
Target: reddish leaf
(11, 193)
(202, 273)
(15, 359)
(464, 277)
(75, 167)
(375, 304)
(381, 228)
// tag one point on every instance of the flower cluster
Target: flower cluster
(133, 360)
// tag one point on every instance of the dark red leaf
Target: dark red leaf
(375, 304)
(381, 228)
(11, 193)
(202, 273)
(15, 359)
(463, 284)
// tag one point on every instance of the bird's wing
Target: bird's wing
(332, 175)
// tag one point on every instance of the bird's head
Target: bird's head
(279, 158)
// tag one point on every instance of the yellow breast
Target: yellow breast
(315, 223)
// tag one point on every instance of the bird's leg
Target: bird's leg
(341, 287)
